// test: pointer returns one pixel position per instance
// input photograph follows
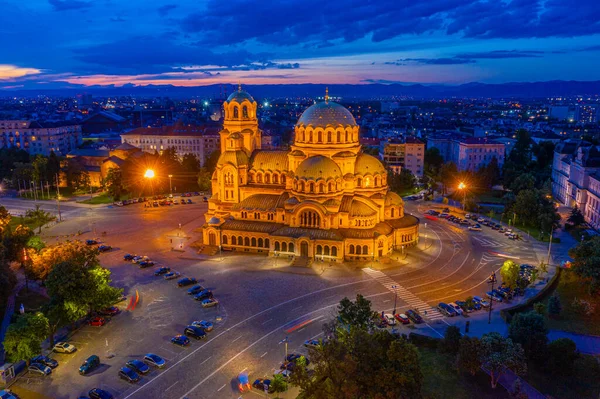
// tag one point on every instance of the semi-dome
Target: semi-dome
(366, 163)
(393, 199)
(214, 220)
(239, 96)
(318, 167)
(236, 158)
(326, 113)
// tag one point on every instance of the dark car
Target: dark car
(128, 375)
(98, 393)
(128, 257)
(292, 357)
(138, 366)
(202, 295)
(186, 281)
(146, 263)
(45, 360)
(180, 340)
(464, 307)
(89, 365)
(195, 289)
(104, 248)
(414, 316)
(262, 384)
(182, 201)
(162, 270)
(91, 242)
(194, 332)
(112, 311)
(189, 201)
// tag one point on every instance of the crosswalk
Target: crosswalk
(414, 302)
(486, 242)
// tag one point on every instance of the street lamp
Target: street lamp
(170, 186)
(492, 281)
(149, 174)
(395, 288)
(463, 187)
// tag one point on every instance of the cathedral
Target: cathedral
(323, 199)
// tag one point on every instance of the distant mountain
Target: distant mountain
(347, 91)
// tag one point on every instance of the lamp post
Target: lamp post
(170, 185)
(492, 281)
(395, 288)
(462, 186)
(149, 174)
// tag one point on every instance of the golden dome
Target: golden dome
(393, 199)
(326, 113)
(235, 158)
(359, 208)
(239, 96)
(318, 167)
(366, 163)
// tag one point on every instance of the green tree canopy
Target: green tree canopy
(357, 314)
(23, 339)
(530, 330)
(562, 354)
(525, 181)
(469, 355)
(586, 263)
(40, 217)
(499, 353)
(576, 218)
(510, 273)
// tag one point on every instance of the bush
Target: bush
(554, 306)
(539, 308)
(423, 341)
(451, 340)
(562, 354)
(582, 307)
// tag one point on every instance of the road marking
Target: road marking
(267, 322)
(171, 386)
(243, 370)
(263, 355)
(387, 300)
(207, 359)
(219, 390)
(436, 331)
(236, 339)
(296, 308)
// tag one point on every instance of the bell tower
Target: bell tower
(240, 117)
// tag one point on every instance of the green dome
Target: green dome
(327, 113)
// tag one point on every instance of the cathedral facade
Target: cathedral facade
(322, 199)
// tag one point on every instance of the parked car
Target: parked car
(402, 318)
(40, 369)
(446, 309)
(205, 325)
(128, 257)
(45, 360)
(209, 303)
(477, 227)
(172, 275)
(89, 365)
(162, 270)
(154, 360)
(389, 319)
(493, 296)
(194, 332)
(138, 259)
(180, 340)
(104, 248)
(189, 201)
(444, 215)
(262, 384)
(480, 220)
(456, 308)
(97, 321)
(7, 394)
(64, 347)
(483, 302)
(98, 393)
(195, 289)
(138, 366)
(91, 242)
(186, 281)
(202, 295)
(111, 311)
(414, 316)
(312, 343)
(463, 306)
(129, 375)
(146, 263)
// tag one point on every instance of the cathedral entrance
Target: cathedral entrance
(304, 249)
(212, 240)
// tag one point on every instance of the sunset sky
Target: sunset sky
(67, 43)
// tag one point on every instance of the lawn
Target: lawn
(582, 382)
(31, 300)
(570, 287)
(443, 381)
(65, 192)
(103, 198)
(15, 221)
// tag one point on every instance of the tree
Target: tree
(40, 169)
(576, 218)
(278, 384)
(204, 180)
(113, 182)
(527, 206)
(40, 217)
(539, 308)
(562, 354)
(451, 341)
(357, 314)
(526, 181)
(530, 330)
(43, 261)
(57, 317)
(190, 163)
(586, 263)
(554, 306)
(499, 353)
(469, 355)
(76, 175)
(23, 339)
(447, 177)
(52, 168)
(211, 162)
(433, 161)
(510, 273)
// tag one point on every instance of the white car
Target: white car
(209, 303)
(480, 220)
(475, 228)
(457, 308)
(468, 216)
(63, 347)
(390, 319)
(38, 368)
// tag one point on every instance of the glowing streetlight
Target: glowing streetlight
(462, 186)
(149, 174)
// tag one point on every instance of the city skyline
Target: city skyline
(78, 43)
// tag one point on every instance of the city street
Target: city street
(262, 301)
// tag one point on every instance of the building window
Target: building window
(310, 219)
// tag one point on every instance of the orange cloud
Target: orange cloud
(8, 72)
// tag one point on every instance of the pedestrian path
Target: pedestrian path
(413, 301)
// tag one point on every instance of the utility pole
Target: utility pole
(550, 244)
(395, 288)
(58, 199)
(491, 281)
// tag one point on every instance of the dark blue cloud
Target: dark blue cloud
(164, 10)
(435, 61)
(498, 54)
(66, 5)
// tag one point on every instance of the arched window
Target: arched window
(327, 250)
(259, 178)
(247, 241)
(365, 250)
(284, 246)
(311, 187)
(330, 187)
(225, 240)
(282, 179)
(291, 247)
(310, 139)
(240, 240)
(301, 186)
(339, 138)
(329, 137)
(267, 178)
(359, 182)
(320, 137)
(321, 189)
(376, 181)
(267, 243)
(260, 242)
(358, 250)
(346, 137)
(275, 179)
(233, 240)
(310, 219)
(277, 246)
(351, 249)
(253, 241)
(393, 212)
(303, 136)
(236, 112)
(333, 251)
(245, 112)
(319, 250)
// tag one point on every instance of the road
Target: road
(259, 306)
